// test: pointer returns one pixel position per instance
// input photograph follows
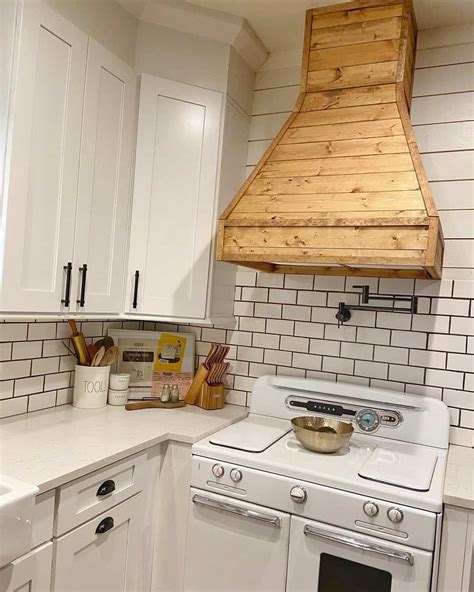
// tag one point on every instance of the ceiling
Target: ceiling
(279, 23)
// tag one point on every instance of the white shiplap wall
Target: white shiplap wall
(443, 120)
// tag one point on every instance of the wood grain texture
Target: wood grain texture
(353, 76)
(343, 131)
(360, 15)
(393, 145)
(364, 53)
(338, 166)
(349, 97)
(328, 203)
(341, 190)
(356, 33)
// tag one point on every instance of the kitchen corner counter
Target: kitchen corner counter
(49, 448)
(459, 483)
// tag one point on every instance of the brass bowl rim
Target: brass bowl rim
(347, 428)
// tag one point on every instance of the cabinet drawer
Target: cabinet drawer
(29, 573)
(88, 496)
(103, 554)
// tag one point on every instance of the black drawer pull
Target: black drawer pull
(135, 289)
(105, 525)
(82, 297)
(106, 487)
(67, 293)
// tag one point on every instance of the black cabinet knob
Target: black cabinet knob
(106, 487)
(105, 525)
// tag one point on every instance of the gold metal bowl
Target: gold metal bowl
(320, 434)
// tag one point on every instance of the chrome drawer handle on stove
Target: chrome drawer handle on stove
(212, 503)
(345, 540)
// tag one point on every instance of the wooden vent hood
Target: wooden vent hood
(342, 190)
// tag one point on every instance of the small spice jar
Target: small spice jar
(165, 394)
(174, 396)
(118, 398)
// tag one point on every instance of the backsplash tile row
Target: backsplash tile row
(286, 325)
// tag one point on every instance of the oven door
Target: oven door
(325, 558)
(233, 546)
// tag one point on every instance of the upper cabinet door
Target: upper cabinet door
(41, 171)
(104, 183)
(174, 201)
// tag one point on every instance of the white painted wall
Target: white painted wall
(105, 20)
(443, 120)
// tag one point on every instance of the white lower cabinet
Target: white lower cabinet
(235, 546)
(104, 554)
(456, 569)
(29, 573)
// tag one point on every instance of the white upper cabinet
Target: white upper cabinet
(68, 166)
(44, 130)
(174, 203)
(104, 183)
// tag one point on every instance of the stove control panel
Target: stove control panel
(371, 509)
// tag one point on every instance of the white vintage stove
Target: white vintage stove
(268, 515)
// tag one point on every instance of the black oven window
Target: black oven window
(340, 575)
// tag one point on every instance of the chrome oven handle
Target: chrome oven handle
(353, 542)
(226, 507)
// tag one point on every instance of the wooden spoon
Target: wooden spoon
(110, 357)
(98, 356)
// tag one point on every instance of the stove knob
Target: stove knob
(218, 470)
(236, 475)
(395, 515)
(298, 494)
(371, 509)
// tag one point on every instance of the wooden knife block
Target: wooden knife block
(211, 396)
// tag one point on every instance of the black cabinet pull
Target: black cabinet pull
(105, 525)
(67, 293)
(135, 290)
(82, 297)
(106, 487)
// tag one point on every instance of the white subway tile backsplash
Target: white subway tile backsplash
(42, 331)
(295, 344)
(258, 370)
(299, 282)
(23, 350)
(57, 381)
(453, 343)
(442, 288)
(252, 324)
(409, 339)
(28, 386)
(307, 361)
(41, 401)
(406, 374)
(430, 323)
(343, 333)
(13, 331)
(250, 354)
(392, 320)
(462, 362)
(266, 340)
(375, 336)
(10, 407)
(6, 389)
(5, 351)
(44, 366)
(329, 283)
(462, 326)
(270, 280)
(280, 358)
(427, 359)
(307, 298)
(271, 311)
(371, 369)
(463, 399)
(296, 313)
(238, 338)
(357, 351)
(213, 335)
(244, 309)
(444, 378)
(280, 327)
(255, 294)
(338, 365)
(281, 296)
(64, 396)
(15, 369)
(324, 347)
(303, 329)
(393, 355)
(450, 306)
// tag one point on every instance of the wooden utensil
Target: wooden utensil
(153, 405)
(98, 356)
(110, 357)
(79, 344)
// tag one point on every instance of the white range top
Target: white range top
(51, 447)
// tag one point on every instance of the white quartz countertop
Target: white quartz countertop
(51, 447)
(459, 483)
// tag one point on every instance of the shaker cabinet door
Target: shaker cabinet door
(104, 554)
(42, 159)
(104, 183)
(31, 572)
(174, 199)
